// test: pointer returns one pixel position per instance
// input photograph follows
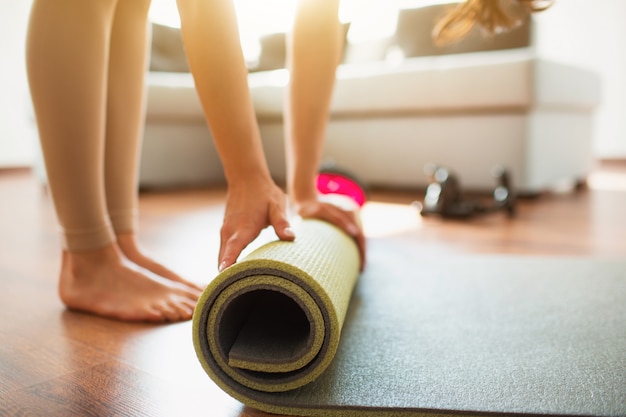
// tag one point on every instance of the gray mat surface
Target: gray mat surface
(477, 335)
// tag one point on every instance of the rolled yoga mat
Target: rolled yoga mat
(272, 322)
(421, 335)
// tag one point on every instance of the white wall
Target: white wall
(18, 135)
(587, 33)
(591, 34)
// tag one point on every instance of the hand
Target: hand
(251, 206)
(342, 216)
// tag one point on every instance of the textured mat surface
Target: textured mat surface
(272, 322)
(471, 335)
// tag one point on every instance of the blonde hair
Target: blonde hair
(493, 16)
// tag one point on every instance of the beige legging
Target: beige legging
(86, 62)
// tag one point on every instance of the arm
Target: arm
(314, 48)
(314, 51)
(211, 40)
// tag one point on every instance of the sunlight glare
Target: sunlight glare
(387, 219)
(608, 181)
(370, 19)
(164, 12)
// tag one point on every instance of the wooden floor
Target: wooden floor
(59, 363)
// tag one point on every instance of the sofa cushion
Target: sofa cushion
(167, 52)
(415, 26)
(273, 53)
(482, 81)
(476, 82)
(172, 97)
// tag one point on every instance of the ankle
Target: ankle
(128, 245)
(79, 262)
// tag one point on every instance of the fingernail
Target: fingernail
(353, 230)
(222, 266)
(289, 232)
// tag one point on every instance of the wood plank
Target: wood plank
(58, 362)
(114, 389)
(27, 359)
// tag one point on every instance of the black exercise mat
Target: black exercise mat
(473, 335)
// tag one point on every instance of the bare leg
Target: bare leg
(67, 61)
(124, 129)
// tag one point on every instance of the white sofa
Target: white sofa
(469, 109)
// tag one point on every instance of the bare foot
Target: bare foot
(102, 283)
(127, 242)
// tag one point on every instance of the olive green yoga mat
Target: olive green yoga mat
(290, 330)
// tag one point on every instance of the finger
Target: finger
(225, 235)
(278, 220)
(360, 241)
(343, 219)
(232, 246)
(353, 228)
(347, 220)
(229, 255)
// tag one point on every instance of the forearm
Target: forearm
(314, 50)
(211, 40)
